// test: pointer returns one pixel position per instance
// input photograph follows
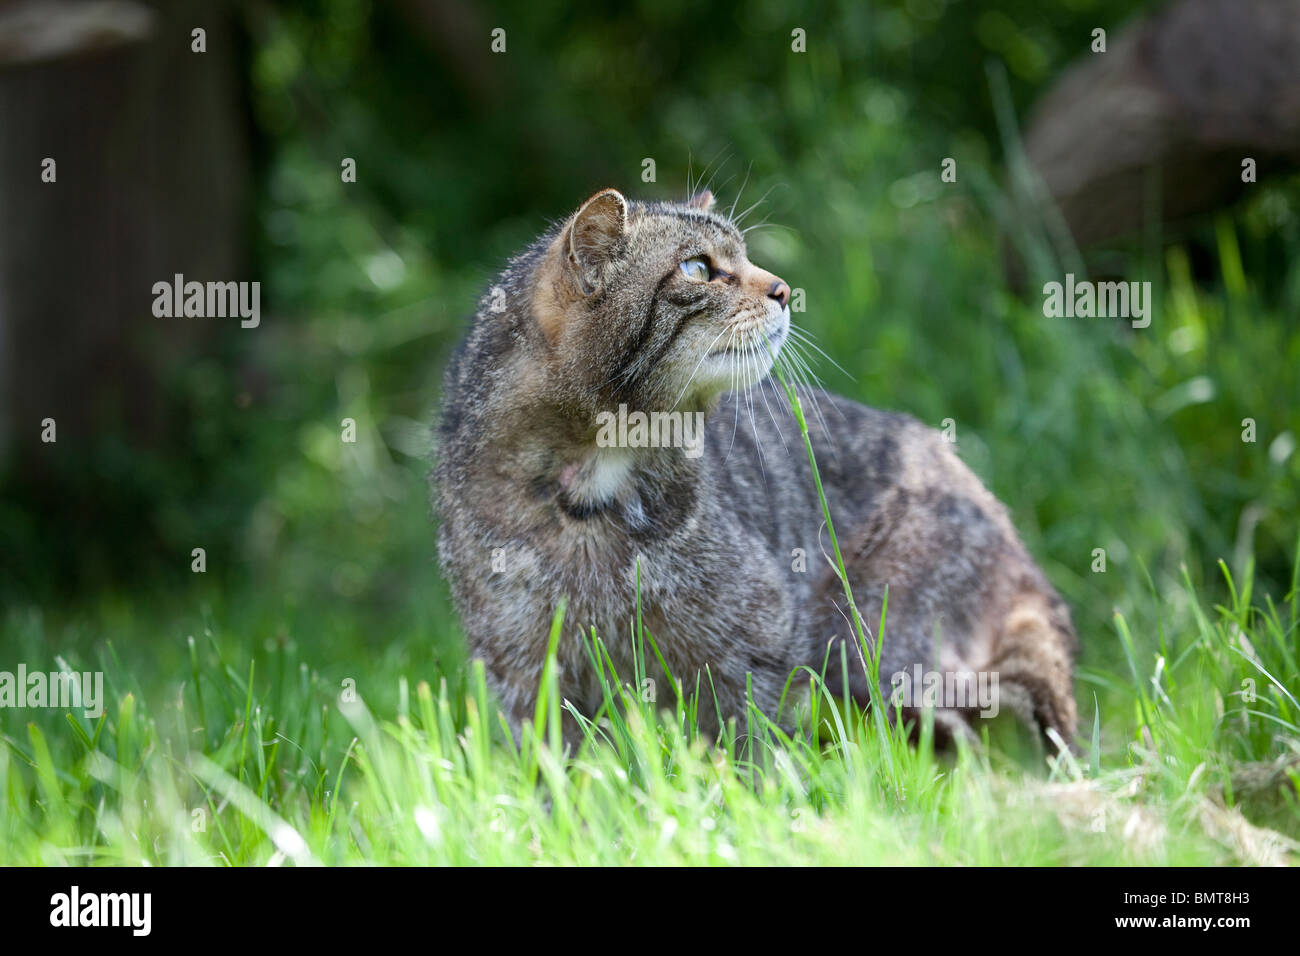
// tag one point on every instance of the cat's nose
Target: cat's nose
(780, 291)
(772, 286)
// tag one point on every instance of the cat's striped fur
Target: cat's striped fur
(599, 312)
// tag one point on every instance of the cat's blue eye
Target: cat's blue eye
(696, 269)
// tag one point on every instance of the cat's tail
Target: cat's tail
(1033, 657)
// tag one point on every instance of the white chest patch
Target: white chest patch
(600, 479)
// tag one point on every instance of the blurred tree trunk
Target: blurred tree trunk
(1153, 131)
(152, 166)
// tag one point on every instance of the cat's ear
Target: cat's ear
(702, 200)
(598, 228)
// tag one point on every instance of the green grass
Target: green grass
(261, 762)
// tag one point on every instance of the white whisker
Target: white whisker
(732, 211)
(695, 371)
(751, 365)
(741, 218)
(807, 340)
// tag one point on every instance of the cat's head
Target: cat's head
(656, 304)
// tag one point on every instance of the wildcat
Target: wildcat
(656, 307)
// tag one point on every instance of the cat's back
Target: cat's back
(756, 443)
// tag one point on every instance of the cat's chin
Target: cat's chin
(728, 371)
(742, 363)
(751, 359)
(704, 379)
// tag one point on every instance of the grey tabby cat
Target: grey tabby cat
(656, 307)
